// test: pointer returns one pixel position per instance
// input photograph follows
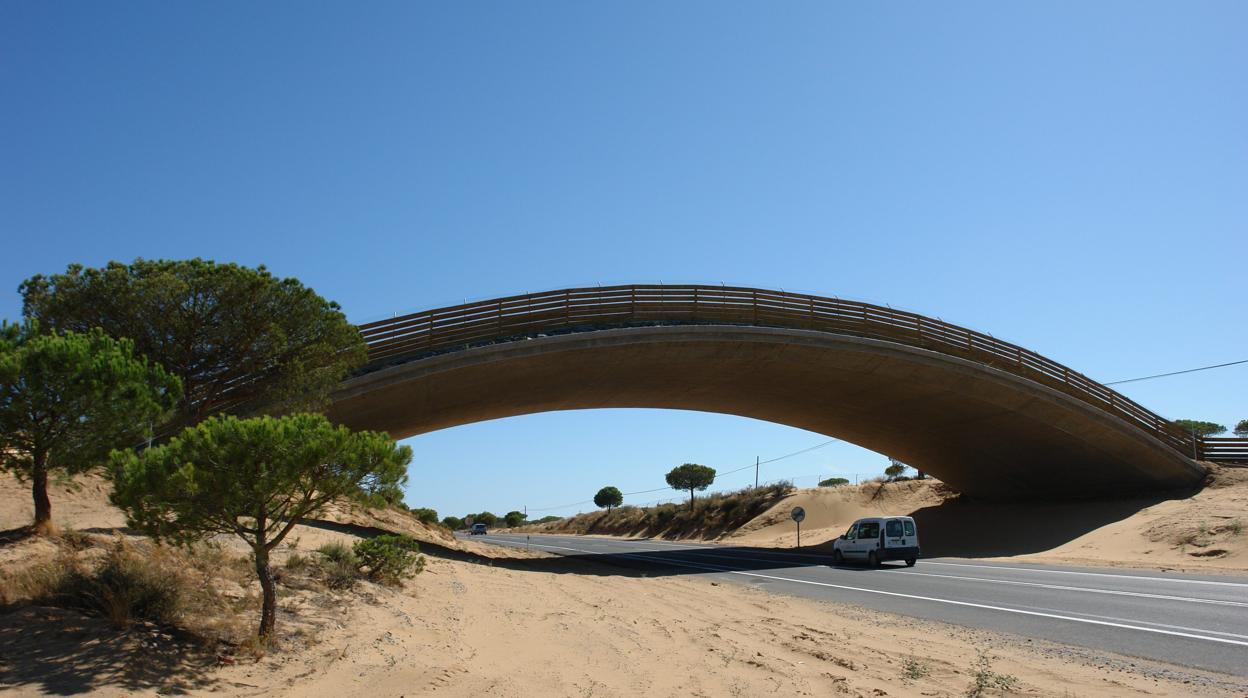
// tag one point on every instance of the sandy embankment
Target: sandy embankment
(1205, 531)
(552, 626)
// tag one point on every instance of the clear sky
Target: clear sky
(1072, 177)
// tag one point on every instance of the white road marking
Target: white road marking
(1056, 616)
(1042, 614)
(1089, 574)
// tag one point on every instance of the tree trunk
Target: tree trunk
(691, 500)
(39, 490)
(268, 610)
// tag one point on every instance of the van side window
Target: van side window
(909, 527)
(893, 528)
(869, 530)
(853, 532)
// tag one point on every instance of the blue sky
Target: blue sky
(1072, 177)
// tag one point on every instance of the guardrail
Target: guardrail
(422, 334)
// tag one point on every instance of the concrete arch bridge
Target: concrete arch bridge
(988, 417)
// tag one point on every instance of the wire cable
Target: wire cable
(717, 476)
(1175, 373)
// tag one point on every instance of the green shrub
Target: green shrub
(296, 561)
(424, 515)
(390, 558)
(833, 482)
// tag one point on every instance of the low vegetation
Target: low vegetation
(984, 679)
(389, 558)
(130, 582)
(294, 467)
(833, 482)
(709, 516)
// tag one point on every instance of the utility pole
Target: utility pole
(755, 472)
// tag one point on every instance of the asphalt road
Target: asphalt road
(1189, 620)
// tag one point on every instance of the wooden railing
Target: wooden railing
(423, 334)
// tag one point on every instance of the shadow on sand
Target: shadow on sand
(58, 652)
(956, 528)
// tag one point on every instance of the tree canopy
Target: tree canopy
(241, 340)
(895, 469)
(691, 476)
(453, 522)
(67, 400)
(252, 478)
(1241, 429)
(833, 482)
(513, 518)
(608, 498)
(1200, 428)
(485, 517)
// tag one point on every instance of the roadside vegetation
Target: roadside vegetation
(193, 386)
(707, 517)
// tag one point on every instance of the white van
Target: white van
(877, 539)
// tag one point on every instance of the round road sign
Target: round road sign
(798, 514)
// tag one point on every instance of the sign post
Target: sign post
(798, 514)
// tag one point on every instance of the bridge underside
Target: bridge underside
(983, 431)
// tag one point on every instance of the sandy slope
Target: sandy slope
(1204, 531)
(542, 626)
(527, 629)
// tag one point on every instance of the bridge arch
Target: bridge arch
(988, 417)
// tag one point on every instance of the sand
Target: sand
(1205, 531)
(532, 625)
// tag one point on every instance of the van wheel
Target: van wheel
(837, 558)
(873, 560)
(909, 562)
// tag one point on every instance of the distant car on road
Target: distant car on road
(478, 529)
(876, 539)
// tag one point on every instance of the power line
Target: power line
(1175, 373)
(717, 476)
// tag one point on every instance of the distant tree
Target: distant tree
(67, 400)
(1200, 428)
(513, 518)
(453, 522)
(253, 478)
(609, 497)
(547, 519)
(425, 515)
(691, 476)
(895, 469)
(486, 518)
(833, 482)
(1241, 429)
(241, 340)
